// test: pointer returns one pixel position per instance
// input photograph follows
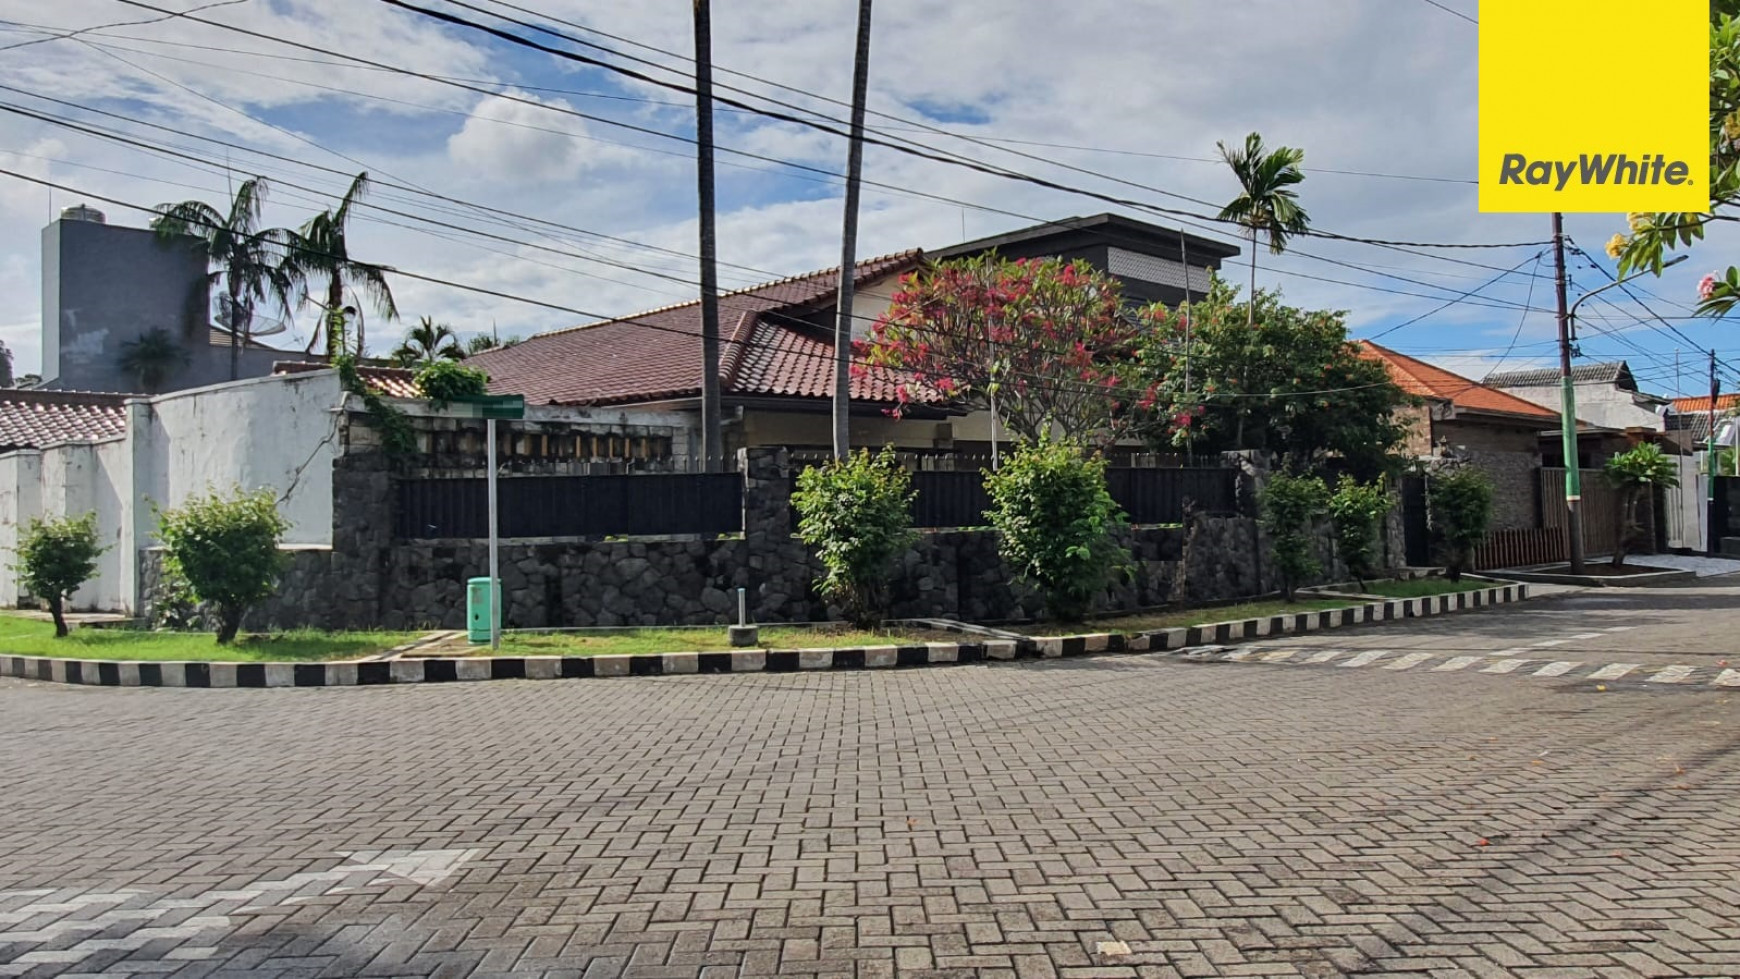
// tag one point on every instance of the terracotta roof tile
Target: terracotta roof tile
(394, 382)
(1687, 406)
(33, 417)
(657, 354)
(1419, 378)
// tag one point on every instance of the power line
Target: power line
(1452, 11)
(125, 23)
(1488, 283)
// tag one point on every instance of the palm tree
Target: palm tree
(428, 342)
(249, 261)
(1267, 203)
(152, 358)
(320, 251)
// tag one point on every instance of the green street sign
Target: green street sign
(505, 406)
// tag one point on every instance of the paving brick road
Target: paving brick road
(1118, 816)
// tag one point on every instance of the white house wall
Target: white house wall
(276, 433)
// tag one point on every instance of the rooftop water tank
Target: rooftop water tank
(82, 212)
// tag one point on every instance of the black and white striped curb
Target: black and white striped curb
(109, 673)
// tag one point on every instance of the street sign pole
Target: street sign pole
(494, 551)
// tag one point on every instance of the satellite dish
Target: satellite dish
(240, 318)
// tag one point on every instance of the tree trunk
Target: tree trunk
(334, 316)
(229, 622)
(57, 608)
(1627, 505)
(235, 331)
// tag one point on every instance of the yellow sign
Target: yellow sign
(1594, 105)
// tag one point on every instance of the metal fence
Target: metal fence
(1601, 517)
(1520, 548)
(573, 506)
(1148, 496)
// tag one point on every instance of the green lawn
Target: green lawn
(1422, 587)
(21, 636)
(652, 640)
(1150, 622)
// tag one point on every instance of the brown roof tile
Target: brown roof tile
(394, 382)
(33, 417)
(1421, 379)
(657, 354)
(1687, 406)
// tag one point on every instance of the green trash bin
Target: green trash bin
(477, 608)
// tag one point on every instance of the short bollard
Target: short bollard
(743, 634)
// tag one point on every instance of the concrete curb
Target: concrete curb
(111, 673)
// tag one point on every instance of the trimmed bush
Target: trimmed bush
(1056, 518)
(55, 557)
(1636, 474)
(226, 549)
(855, 513)
(1356, 510)
(1459, 506)
(1290, 506)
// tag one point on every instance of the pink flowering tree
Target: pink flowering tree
(1048, 341)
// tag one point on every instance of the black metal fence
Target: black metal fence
(1724, 510)
(573, 506)
(1148, 496)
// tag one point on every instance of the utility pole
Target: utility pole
(1184, 263)
(712, 446)
(1711, 470)
(849, 243)
(1568, 406)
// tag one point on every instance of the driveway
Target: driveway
(1116, 816)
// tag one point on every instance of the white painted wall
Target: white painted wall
(1597, 404)
(277, 433)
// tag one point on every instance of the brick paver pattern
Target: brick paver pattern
(1128, 816)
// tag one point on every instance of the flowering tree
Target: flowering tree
(1651, 236)
(1047, 341)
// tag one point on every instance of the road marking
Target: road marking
(1729, 678)
(1325, 656)
(1673, 674)
(1614, 671)
(1619, 628)
(1457, 663)
(1587, 635)
(1408, 662)
(1368, 657)
(1506, 665)
(1280, 655)
(1560, 668)
(1238, 655)
(1549, 642)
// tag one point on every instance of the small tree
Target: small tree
(55, 557)
(1356, 510)
(1636, 474)
(226, 548)
(1056, 519)
(1459, 505)
(443, 380)
(1290, 506)
(854, 512)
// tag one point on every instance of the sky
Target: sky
(592, 181)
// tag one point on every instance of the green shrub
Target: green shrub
(1056, 518)
(441, 381)
(226, 548)
(55, 557)
(1290, 507)
(1636, 473)
(1356, 510)
(1459, 506)
(854, 512)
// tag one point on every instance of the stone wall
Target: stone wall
(1516, 487)
(368, 579)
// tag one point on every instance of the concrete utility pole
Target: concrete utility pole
(712, 444)
(849, 243)
(1712, 545)
(1568, 405)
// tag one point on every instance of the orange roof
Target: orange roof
(1421, 379)
(1686, 406)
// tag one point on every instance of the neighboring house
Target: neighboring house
(104, 286)
(1607, 394)
(776, 362)
(1689, 418)
(31, 418)
(1495, 429)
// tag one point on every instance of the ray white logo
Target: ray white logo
(1595, 170)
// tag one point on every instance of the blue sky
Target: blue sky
(1379, 86)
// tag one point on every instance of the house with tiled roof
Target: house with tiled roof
(1689, 418)
(1607, 394)
(1495, 429)
(31, 418)
(777, 342)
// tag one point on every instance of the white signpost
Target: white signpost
(492, 407)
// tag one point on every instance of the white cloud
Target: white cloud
(509, 140)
